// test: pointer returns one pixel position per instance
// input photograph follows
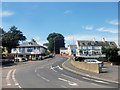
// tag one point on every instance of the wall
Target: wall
(91, 67)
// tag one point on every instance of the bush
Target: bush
(79, 59)
(111, 53)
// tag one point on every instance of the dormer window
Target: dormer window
(81, 43)
(86, 43)
(110, 43)
(92, 43)
(30, 43)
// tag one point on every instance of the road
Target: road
(48, 73)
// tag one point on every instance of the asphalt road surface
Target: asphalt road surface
(48, 73)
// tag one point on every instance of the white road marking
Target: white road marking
(95, 80)
(86, 78)
(43, 77)
(71, 77)
(8, 78)
(13, 77)
(52, 68)
(60, 68)
(63, 86)
(36, 70)
(69, 82)
(101, 81)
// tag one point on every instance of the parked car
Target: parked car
(93, 61)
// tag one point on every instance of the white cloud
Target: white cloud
(6, 13)
(111, 30)
(37, 38)
(113, 22)
(67, 11)
(87, 27)
(74, 38)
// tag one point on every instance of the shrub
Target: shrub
(79, 59)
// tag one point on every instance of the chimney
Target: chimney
(103, 39)
(94, 39)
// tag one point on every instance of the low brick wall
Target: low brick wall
(91, 67)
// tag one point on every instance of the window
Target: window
(20, 49)
(30, 43)
(86, 43)
(110, 43)
(81, 43)
(36, 48)
(84, 47)
(14, 49)
(92, 43)
(29, 50)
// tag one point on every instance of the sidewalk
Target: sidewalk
(109, 73)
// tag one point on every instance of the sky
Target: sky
(74, 20)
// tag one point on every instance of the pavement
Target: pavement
(109, 73)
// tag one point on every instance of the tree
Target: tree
(56, 41)
(80, 51)
(2, 49)
(11, 38)
(72, 51)
(111, 53)
(46, 44)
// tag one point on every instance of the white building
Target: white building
(92, 47)
(63, 50)
(30, 50)
(70, 48)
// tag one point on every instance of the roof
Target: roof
(96, 43)
(72, 46)
(31, 44)
(62, 48)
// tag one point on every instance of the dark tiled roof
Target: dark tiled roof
(72, 46)
(97, 43)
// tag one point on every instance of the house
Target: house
(63, 50)
(30, 50)
(71, 48)
(92, 47)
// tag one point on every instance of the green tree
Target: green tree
(72, 51)
(46, 44)
(11, 38)
(2, 49)
(80, 51)
(111, 53)
(56, 41)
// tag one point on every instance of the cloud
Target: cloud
(80, 37)
(87, 27)
(37, 38)
(113, 22)
(111, 30)
(6, 13)
(74, 38)
(67, 12)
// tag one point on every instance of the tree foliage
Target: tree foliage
(80, 51)
(11, 38)
(46, 44)
(56, 41)
(111, 53)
